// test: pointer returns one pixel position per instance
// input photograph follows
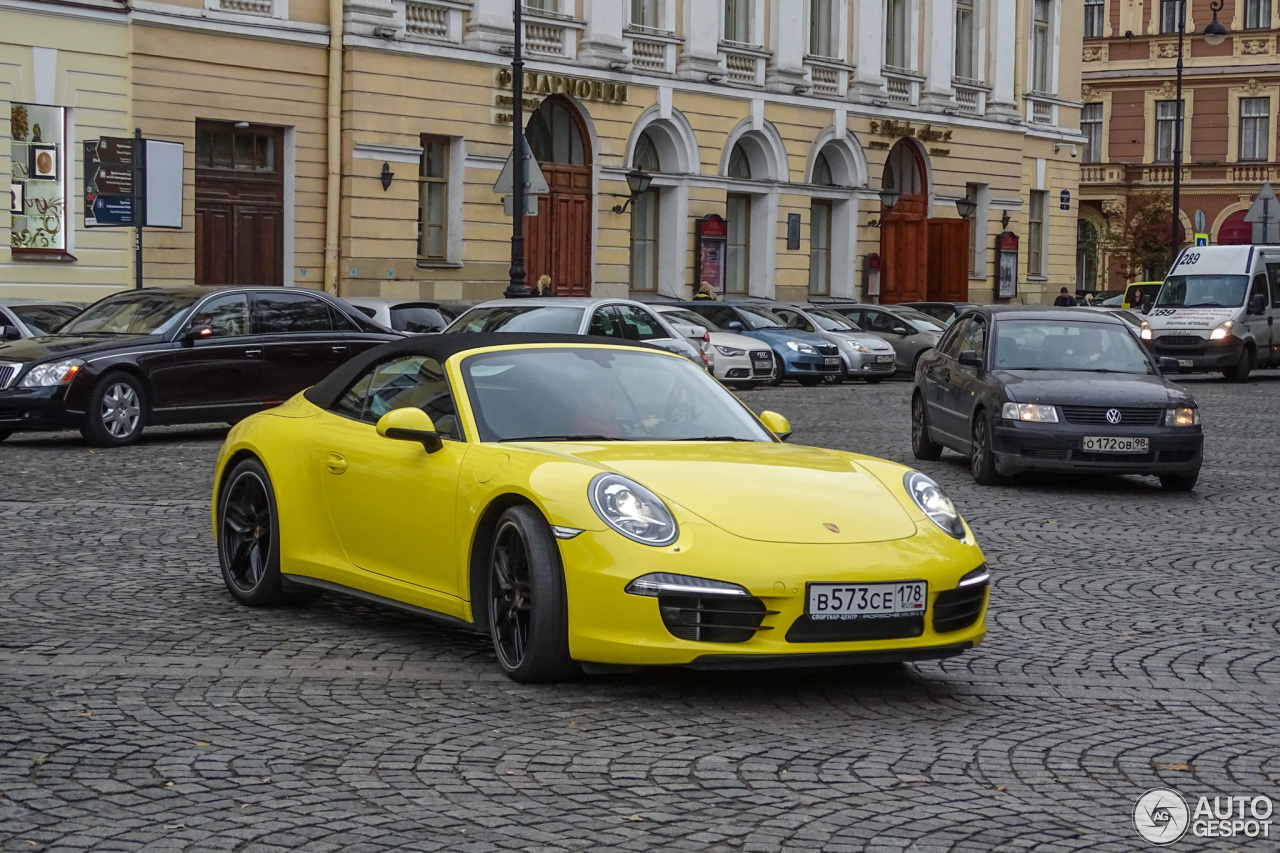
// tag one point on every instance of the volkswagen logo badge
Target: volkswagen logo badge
(1113, 416)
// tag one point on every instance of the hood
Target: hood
(729, 339)
(871, 342)
(779, 337)
(1076, 388)
(766, 492)
(70, 346)
(1162, 319)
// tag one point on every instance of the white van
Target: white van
(1216, 308)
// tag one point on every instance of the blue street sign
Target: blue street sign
(1202, 239)
(1065, 200)
(112, 210)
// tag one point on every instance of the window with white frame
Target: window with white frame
(820, 247)
(822, 28)
(737, 21)
(966, 62)
(896, 53)
(737, 267)
(646, 14)
(1169, 13)
(1091, 129)
(1166, 129)
(1095, 12)
(542, 5)
(644, 220)
(433, 199)
(1041, 47)
(1035, 234)
(38, 189)
(1255, 124)
(1257, 14)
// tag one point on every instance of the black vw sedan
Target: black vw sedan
(176, 355)
(1053, 389)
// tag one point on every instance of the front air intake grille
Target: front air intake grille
(828, 349)
(711, 618)
(806, 630)
(8, 371)
(1098, 415)
(1181, 341)
(1118, 459)
(1178, 455)
(1049, 453)
(955, 609)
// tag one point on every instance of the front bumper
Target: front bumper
(858, 364)
(36, 409)
(1022, 446)
(751, 367)
(610, 626)
(1195, 353)
(798, 364)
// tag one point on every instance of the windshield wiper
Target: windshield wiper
(709, 438)
(583, 437)
(1206, 305)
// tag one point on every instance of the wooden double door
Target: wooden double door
(923, 259)
(239, 204)
(558, 240)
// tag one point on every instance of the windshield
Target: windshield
(920, 318)
(565, 394)
(760, 318)
(1203, 291)
(135, 313)
(417, 319)
(830, 321)
(543, 319)
(1058, 345)
(43, 319)
(692, 318)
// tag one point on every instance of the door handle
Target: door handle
(339, 350)
(253, 353)
(336, 463)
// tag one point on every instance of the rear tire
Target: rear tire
(1240, 373)
(1179, 482)
(249, 536)
(116, 413)
(982, 460)
(922, 445)
(527, 606)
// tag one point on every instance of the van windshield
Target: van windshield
(1203, 291)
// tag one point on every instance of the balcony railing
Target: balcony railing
(829, 77)
(1252, 173)
(744, 64)
(971, 97)
(1041, 111)
(248, 7)
(1133, 174)
(902, 85)
(652, 51)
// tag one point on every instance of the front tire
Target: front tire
(1178, 482)
(249, 536)
(528, 612)
(1240, 373)
(5, 433)
(811, 381)
(922, 445)
(982, 459)
(116, 413)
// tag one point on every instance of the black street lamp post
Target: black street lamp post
(1214, 34)
(518, 287)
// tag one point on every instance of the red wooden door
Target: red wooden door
(948, 271)
(904, 243)
(558, 241)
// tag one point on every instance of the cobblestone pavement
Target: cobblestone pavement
(1133, 643)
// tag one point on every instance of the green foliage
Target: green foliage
(1137, 241)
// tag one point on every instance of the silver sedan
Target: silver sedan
(865, 356)
(909, 332)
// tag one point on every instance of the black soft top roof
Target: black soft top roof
(441, 347)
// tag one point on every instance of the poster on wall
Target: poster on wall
(712, 236)
(17, 197)
(44, 162)
(1007, 250)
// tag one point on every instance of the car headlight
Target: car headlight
(804, 348)
(1222, 331)
(658, 583)
(1030, 412)
(632, 510)
(54, 373)
(730, 351)
(1183, 416)
(934, 503)
(859, 347)
(1145, 331)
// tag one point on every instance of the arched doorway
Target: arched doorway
(904, 230)
(559, 237)
(1234, 231)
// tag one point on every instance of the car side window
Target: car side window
(282, 313)
(975, 336)
(882, 321)
(604, 323)
(637, 325)
(406, 382)
(228, 315)
(950, 343)
(794, 319)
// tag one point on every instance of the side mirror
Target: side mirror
(410, 424)
(197, 333)
(776, 424)
(900, 330)
(1167, 363)
(970, 358)
(734, 326)
(9, 333)
(1258, 303)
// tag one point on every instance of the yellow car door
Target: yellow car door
(393, 504)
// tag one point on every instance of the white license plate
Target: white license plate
(761, 365)
(1186, 362)
(858, 601)
(883, 359)
(833, 361)
(1110, 444)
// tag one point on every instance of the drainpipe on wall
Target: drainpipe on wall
(333, 185)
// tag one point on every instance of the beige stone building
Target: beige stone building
(362, 159)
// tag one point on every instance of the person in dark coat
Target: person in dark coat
(1064, 300)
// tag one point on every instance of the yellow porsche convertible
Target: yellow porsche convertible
(590, 504)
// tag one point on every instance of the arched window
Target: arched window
(739, 165)
(904, 169)
(1235, 231)
(646, 156)
(822, 171)
(555, 135)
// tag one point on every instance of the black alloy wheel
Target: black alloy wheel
(922, 445)
(249, 536)
(528, 615)
(1240, 373)
(116, 413)
(982, 460)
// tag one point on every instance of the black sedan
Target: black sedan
(177, 355)
(1054, 389)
